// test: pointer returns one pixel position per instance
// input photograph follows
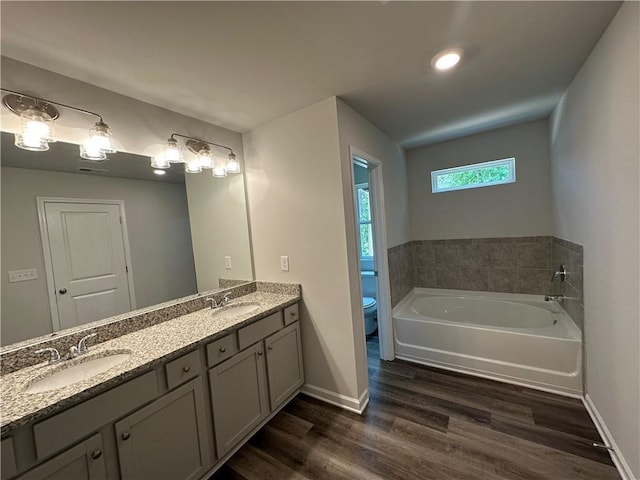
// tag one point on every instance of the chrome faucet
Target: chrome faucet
(82, 344)
(561, 272)
(54, 354)
(552, 298)
(213, 304)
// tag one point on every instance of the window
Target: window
(477, 175)
(364, 220)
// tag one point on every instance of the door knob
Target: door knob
(62, 291)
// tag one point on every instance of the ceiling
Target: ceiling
(65, 157)
(242, 64)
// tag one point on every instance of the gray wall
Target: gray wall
(159, 238)
(517, 209)
(595, 165)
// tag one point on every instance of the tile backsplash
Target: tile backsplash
(509, 264)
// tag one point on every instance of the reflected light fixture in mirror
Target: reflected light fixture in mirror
(203, 159)
(37, 117)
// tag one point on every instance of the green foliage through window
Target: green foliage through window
(364, 220)
(472, 176)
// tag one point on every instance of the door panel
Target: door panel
(284, 364)
(86, 244)
(85, 461)
(167, 439)
(238, 397)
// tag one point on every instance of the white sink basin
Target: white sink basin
(236, 310)
(82, 368)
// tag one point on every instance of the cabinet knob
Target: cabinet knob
(259, 354)
(125, 435)
(223, 349)
(270, 347)
(62, 291)
(96, 454)
(186, 368)
(292, 314)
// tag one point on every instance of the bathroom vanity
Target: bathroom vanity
(188, 393)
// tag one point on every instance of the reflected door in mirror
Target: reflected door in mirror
(87, 257)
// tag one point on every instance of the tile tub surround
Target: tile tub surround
(400, 272)
(150, 346)
(22, 354)
(572, 256)
(502, 264)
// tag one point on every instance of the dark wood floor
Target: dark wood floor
(424, 423)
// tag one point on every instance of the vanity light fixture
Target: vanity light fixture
(37, 117)
(447, 59)
(203, 159)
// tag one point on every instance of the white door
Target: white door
(86, 245)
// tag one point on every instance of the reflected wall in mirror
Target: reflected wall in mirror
(85, 240)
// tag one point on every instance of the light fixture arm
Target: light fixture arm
(45, 101)
(200, 140)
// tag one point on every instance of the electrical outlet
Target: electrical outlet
(284, 263)
(23, 275)
(227, 262)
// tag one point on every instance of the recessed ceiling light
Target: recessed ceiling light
(160, 172)
(447, 59)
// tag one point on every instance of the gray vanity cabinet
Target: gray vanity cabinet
(238, 397)
(85, 461)
(166, 439)
(284, 364)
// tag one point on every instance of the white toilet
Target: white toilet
(370, 314)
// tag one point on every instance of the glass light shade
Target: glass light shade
(219, 172)
(172, 151)
(37, 130)
(31, 143)
(233, 165)
(205, 158)
(100, 138)
(193, 166)
(160, 162)
(89, 151)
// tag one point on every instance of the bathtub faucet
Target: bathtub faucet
(551, 298)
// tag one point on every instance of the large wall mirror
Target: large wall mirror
(82, 240)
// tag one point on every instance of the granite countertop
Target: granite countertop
(149, 347)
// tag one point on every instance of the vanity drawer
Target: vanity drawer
(9, 468)
(257, 331)
(182, 369)
(221, 349)
(61, 430)
(291, 314)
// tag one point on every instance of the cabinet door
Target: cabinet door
(85, 461)
(284, 364)
(166, 439)
(238, 397)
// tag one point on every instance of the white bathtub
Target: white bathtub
(513, 338)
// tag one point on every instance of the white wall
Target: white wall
(296, 208)
(517, 209)
(142, 128)
(218, 216)
(355, 131)
(595, 168)
(159, 238)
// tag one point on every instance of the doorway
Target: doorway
(372, 258)
(87, 260)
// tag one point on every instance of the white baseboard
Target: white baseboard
(618, 460)
(352, 404)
